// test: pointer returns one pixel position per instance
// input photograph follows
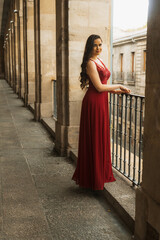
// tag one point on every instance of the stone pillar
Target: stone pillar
(25, 52)
(30, 52)
(147, 225)
(2, 55)
(12, 26)
(10, 57)
(45, 49)
(6, 61)
(17, 47)
(22, 83)
(75, 21)
(37, 103)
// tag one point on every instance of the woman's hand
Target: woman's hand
(124, 89)
(117, 91)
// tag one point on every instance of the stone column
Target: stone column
(75, 21)
(45, 56)
(17, 47)
(30, 52)
(37, 103)
(17, 13)
(10, 57)
(12, 26)
(147, 225)
(25, 52)
(22, 83)
(6, 62)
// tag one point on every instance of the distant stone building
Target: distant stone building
(129, 61)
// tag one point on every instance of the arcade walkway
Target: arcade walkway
(38, 199)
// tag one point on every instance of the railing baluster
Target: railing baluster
(117, 131)
(110, 109)
(130, 136)
(113, 129)
(121, 132)
(125, 135)
(140, 140)
(135, 140)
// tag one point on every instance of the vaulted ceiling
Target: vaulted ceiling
(4, 9)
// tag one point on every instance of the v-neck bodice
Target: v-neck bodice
(103, 72)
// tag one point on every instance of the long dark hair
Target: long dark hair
(87, 54)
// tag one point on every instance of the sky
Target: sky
(129, 14)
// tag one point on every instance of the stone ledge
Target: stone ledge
(49, 124)
(120, 195)
(31, 107)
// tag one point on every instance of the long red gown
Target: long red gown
(94, 157)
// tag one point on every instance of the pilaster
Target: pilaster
(147, 224)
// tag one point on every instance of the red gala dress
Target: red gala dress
(94, 157)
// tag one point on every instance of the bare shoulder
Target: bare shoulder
(91, 65)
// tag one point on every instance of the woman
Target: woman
(94, 158)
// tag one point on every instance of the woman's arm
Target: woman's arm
(94, 76)
(119, 91)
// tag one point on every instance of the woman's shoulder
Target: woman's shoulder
(90, 64)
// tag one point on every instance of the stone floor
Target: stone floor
(38, 199)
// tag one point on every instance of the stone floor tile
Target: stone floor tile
(25, 227)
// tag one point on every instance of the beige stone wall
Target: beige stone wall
(140, 74)
(48, 55)
(85, 18)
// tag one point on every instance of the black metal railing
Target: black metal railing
(54, 99)
(126, 130)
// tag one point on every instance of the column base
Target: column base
(66, 139)
(61, 139)
(37, 111)
(17, 89)
(25, 99)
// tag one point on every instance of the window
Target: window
(144, 60)
(121, 59)
(133, 62)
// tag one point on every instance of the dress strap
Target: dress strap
(101, 62)
(104, 67)
(92, 60)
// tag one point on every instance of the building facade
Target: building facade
(129, 61)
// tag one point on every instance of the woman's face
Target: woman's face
(97, 47)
